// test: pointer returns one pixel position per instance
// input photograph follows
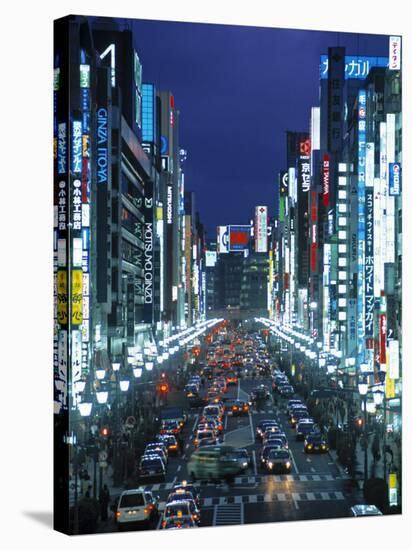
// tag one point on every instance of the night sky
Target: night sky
(238, 90)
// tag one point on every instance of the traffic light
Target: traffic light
(163, 388)
(359, 423)
(104, 432)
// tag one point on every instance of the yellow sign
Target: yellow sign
(389, 387)
(62, 297)
(392, 481)
(77, 297)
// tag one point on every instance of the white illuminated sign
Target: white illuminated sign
(169, 208)
(261, 239)
(394, 53)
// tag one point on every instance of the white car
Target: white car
(136, 506)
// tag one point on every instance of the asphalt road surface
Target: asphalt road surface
(314, 489)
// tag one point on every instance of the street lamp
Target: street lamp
(101, 397)
(363, 391)
(85, 408)
(124, 385)
(137, 372)
(100, 374)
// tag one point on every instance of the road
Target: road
(314, 489)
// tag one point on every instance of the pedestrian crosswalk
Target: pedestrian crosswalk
(228, 514)
(252, 480)
(222, 501)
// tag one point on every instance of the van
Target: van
(214, 462)
(136, 506)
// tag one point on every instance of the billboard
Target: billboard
(239, 236)
(261, 229)
(361, 219)
(395, 173)
(394, 53)
(356, 67)
(211, 258)
(223, 239)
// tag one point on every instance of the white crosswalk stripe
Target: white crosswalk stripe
(228, 514)
(208, 502)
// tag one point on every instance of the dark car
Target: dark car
(278, 460)
(298, 415)
(151, 466)
(304, 427)
(170, 441)
(238, 407)
(184, 486)
(286, 391)
(277, 439)
(261, 393)
(194, 400)
(315, 443)
(266, 450)
(262, 425)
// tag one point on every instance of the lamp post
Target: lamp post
(363, 392)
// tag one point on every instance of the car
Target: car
(239, 407)
(151, 466)
(261, 393)
(170, 427)
(179, 522)
(186, 496)
(296, 407)
(293, 402)
(298, 415)
(179, 508)
(278, 460)
(213, 462)
(270, 430)
(243, 457)
(195, 401)
(360, 510)
(214, 423)
(304, 427)
(260, 428)
(315, 443)
(191, 389)
(203, 434)
(157, 451)
(286, 390)
(271, 445)
(213, 410)
(231, 378)
(277, 439)
(136, 506)
(170, 441)
(207, 442)
(184, 487)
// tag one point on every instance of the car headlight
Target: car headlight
(323, 446)
(244, 464)
(270, 464)
(287, 464)
(309, 446)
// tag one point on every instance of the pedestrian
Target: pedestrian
(88, 493)
(104, 499)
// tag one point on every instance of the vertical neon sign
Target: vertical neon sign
(361, 221)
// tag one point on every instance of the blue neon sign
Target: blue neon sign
(356, 67)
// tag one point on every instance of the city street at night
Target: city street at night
(227, 260)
